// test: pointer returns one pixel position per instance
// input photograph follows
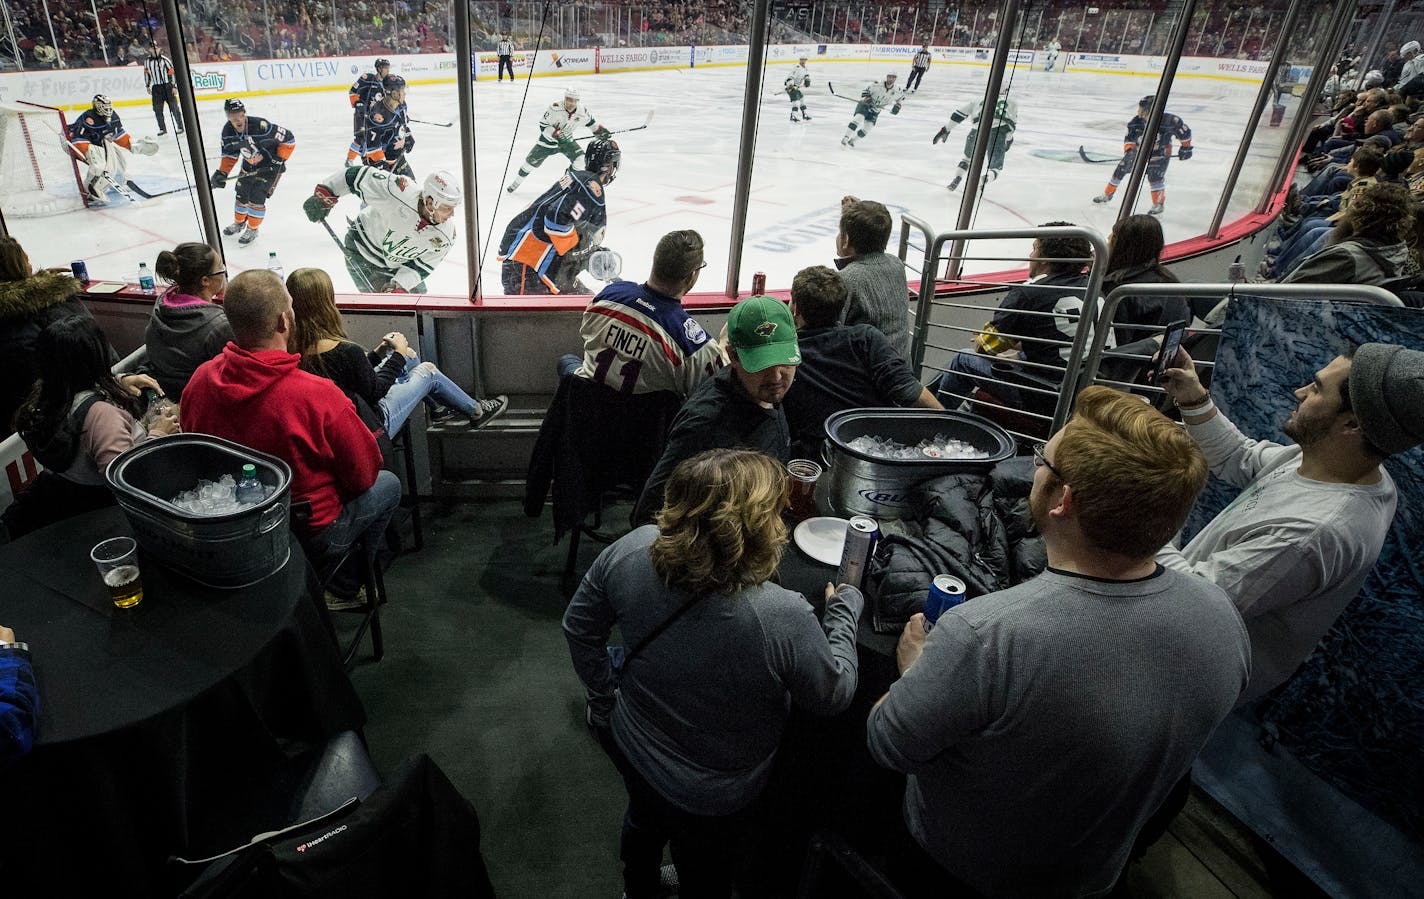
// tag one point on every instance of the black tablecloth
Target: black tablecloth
(161, 727)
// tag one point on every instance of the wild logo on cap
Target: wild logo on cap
(760, 329)
(766, 329)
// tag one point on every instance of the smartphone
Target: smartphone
(1171, 342)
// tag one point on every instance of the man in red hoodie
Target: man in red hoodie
(254, 394)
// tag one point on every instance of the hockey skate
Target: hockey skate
(847, 141)
(793, 117)
(1156, 209)
(234, 228)
(248, 236)
(954, 185)
(1103, 198)
(514, 185)
(805, 115)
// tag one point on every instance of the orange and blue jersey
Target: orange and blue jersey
(540, 236)
(89, 128)
(262, 144)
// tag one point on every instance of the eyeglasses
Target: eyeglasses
(221, 271)
(1040, 459)
(702, 266)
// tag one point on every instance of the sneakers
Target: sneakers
(337, 603)
(489, 410)
(234, 228)
(248, 237)
(1156, 209)
(1103, 198)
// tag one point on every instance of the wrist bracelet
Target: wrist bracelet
(1201, 408)
(16, 645)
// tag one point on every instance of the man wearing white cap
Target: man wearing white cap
(1413, 66)
(556, 135)
(1294, 548)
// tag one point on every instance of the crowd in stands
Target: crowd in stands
(220, 31)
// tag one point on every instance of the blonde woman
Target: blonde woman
(390, 378)
(715, 654)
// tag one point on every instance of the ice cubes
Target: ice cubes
(216, 497)
(938, 448)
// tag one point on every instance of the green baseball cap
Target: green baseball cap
(762, 332)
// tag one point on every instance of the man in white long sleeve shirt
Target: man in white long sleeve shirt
(1294, 548)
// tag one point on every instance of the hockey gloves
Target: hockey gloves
(1184, 152)
(319, 204)
(808, 81)
(602, 133)
(218, 180)
(942, 136)
(895, 110)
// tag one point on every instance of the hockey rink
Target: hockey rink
(680, 171)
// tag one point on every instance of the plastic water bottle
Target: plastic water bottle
(145, 278)
(274, 265)
(249, 490)
(1236, 271)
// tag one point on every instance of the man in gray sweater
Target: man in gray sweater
(1294, 548)
(1041, 726)
(876, 291)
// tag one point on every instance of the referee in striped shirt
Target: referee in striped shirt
(918, 65)
(158, 78)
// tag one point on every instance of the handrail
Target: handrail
(935, 246)
(1350, 293)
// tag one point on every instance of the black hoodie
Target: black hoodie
(183, 333)
(26, 308)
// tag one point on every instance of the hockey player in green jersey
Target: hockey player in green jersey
(793, 84)
(1003, 120)
(556, 135)
(873, 99)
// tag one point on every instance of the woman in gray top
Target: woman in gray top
(716, 655)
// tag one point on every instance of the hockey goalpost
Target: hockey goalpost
(39, 176)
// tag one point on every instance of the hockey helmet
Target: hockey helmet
(441, 188)
(1374, 78)
(383, 63)
(233, 104)
(571, 93)
(603, 158)
(392, 83)
(1410, 48)
(102, 105)
(1147, 102)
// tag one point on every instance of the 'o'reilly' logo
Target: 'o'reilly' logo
(881, 498)
(209, 81)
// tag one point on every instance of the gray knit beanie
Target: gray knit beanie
(1387, 393)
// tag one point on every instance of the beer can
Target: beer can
(861, 537)
(759, 284)
(81, 271)
(946, 592)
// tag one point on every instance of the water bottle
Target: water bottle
(145, 278)
(273, 265)
(249, 489)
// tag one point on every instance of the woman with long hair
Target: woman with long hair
(390, 378)
(186, 328)
(1135, 257)
(715, 654)
(78, 417)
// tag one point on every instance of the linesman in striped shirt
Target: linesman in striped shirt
(158, 78)
(918, 65)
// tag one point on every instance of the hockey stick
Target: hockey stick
(646, 122)
(832, 88)
(336, 240)
(162, 193)
(1086, 158)
(436, 124)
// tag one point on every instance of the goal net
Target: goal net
(38, 175)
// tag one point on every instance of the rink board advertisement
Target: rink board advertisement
(75, 88)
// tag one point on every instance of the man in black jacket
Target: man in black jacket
(842, 366)
(740, 406)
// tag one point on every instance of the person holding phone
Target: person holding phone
(1313, 514)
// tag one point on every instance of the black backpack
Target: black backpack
(57, 451)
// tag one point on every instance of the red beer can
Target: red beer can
(759, 284)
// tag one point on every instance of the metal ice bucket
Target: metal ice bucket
(858, 484)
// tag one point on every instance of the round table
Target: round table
(161, 725)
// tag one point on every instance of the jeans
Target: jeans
(1301, 247)
(963, 378)
(418, 382)
(704, 847)
(364, 517)
(568, 364)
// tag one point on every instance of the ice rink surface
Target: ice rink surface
(680, 171)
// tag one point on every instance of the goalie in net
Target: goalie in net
(96, 138)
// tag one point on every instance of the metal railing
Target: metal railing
(1062, 378)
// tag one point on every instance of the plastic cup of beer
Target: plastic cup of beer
(802, 475)
(117, 561)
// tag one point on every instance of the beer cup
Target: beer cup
(117, 561)
(802, 475)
